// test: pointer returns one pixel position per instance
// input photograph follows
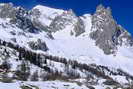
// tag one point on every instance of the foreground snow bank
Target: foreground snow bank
(42, 85)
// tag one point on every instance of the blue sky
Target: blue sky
(122, 9)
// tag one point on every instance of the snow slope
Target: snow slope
(47, 13)
(81, 48)
(47, 85)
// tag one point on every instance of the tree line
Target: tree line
(40, 59)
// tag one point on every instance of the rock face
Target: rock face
(23, 21)
(38, 45)
(67, 18)
(61, 21)
(107, 33)
(21, 17)
(7, 11)
(34, 15)
(79, 28)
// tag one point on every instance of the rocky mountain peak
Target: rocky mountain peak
(106, 32)
(20, 17)
(104, 29)
(68, 21)
(61, 21)
(6, 4)
(52, 45)
(103, 10)
(99, 8)
(7, 10)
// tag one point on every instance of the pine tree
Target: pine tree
(20, 56)
(0, 42)
(45, 61)
(6, 65)
(23, 71)
(35, 76)
(4, 43)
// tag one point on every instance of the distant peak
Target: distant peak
(42, 7)
(6, 5)
(2, 4)
(48, 11)
(102, 9)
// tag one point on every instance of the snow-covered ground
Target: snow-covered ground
(81, 48)
(48, 85)
(48, 14)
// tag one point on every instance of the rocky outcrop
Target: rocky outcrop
(61, 21)
(7, 10)
(20, 17)
(23, 21)
(34, 15)
(38, 45)
(79, 27)
(108, 34)
(65, 19)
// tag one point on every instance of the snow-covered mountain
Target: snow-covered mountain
(91, 51)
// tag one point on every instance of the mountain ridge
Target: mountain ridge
(55, 44)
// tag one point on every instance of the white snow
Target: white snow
(47, 14)
(43, 85)
(81, 48)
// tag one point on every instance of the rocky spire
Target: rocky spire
(99, 8)
(107, 33)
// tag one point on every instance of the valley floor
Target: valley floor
(47, 85)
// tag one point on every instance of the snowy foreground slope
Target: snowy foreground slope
(47, 48)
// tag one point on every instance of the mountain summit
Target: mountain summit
(108, 34)
(45, 44)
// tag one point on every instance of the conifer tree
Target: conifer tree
(23, 71)
(35, 76)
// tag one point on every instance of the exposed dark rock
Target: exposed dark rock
(61, 21)
(68, 18)
(79, 27)
(90, 87)
(35, 13)
(21, 17)
(39, 45)
(110, 82)
(108, 33)
(107, 88)
(22, 20)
